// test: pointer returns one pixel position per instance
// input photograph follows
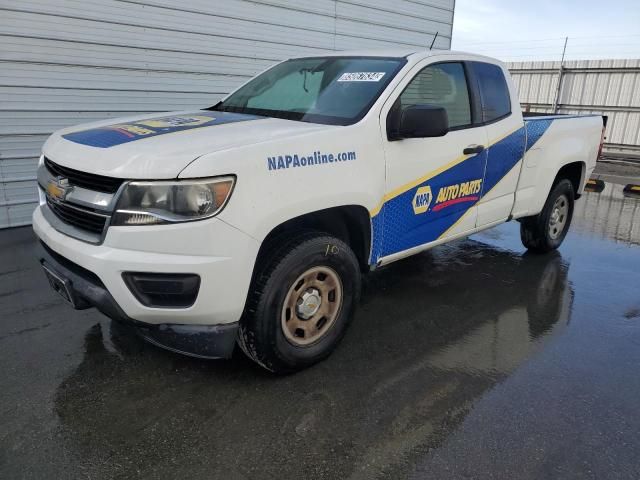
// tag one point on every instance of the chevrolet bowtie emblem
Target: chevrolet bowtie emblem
(58, 189)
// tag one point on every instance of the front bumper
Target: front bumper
(204, 341)
(221, 255)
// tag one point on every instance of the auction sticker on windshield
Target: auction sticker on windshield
(361, 77)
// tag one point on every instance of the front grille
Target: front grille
(78, 217)
(89, 181)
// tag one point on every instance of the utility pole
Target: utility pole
(560, 75)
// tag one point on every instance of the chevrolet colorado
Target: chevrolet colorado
(252, 221)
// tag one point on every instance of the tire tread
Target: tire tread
(533, 230)
(278, 251)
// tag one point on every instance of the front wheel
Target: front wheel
(301, 302)
(546, 231)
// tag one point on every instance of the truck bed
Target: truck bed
(551, 139)
(532, 116)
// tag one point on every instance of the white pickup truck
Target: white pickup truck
(253, 220)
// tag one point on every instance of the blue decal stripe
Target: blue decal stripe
(503, 156)
(396, 227)
(117, 134)
(536, 129)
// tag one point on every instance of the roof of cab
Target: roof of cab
(386, 52)
(394, 53)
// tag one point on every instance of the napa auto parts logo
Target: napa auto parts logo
(447, 196)
(112, 135)
(154, 126)
(422, 200)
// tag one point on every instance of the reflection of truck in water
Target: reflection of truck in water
(253, 220)
(438, 345)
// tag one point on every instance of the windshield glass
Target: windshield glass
(329, 90)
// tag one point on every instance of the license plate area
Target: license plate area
(60, 285)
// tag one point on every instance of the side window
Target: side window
(496, 101)
(442, 85)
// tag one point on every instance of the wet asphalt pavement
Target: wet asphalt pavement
(474, 360)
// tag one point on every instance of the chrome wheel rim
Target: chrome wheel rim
(311, 306)
(559, 216)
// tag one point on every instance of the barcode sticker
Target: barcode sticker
(361, 76)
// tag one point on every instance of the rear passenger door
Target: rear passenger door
(505, 131)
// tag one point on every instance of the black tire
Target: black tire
(262, 336)
(535, 231)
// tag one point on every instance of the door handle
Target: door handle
(473, 149)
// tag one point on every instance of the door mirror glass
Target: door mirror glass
(423, 121)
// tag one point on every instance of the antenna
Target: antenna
(560, 76)
(434, 40)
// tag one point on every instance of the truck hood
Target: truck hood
(161, 146)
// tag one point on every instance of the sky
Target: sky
(516, 30)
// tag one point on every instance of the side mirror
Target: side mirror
(422, 121)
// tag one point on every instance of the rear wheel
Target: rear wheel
(546, 231)
(301, 302)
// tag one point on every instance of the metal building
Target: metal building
(609, 87)
(64, 62)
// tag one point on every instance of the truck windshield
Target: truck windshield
(328, 90)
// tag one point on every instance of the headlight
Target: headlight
(153, 203)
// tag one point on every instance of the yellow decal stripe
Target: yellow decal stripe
(479, 203)
(499, 139)
(486, 194)
(414, 183)
(446, 233)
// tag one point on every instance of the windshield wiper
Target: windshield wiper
(305, 71)
(261, 112)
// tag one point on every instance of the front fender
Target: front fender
(281, 180)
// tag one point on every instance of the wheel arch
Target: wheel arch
(574, 172)
(547, 178)
(349, 223)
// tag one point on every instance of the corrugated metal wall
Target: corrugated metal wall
(609, 87)
(64, 62)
